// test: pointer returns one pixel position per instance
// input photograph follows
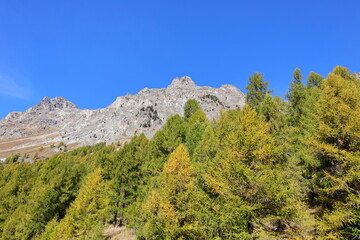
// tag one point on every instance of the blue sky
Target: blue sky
(90, 52)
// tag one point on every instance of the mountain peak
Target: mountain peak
(57, 102)
(182, 82)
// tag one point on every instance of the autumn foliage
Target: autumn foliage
(273, 169)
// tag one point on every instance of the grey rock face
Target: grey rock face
(144, 112)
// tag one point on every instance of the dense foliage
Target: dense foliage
(274, 169)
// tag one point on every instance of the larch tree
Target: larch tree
(271, 110)
(195, 127)
(163, 143)
(295, 95)
(171, 210)
(86, 217)
(314, 80)
(207, 147)
(127, 177)
(257, 89)
(191, 106)
(337, 146)
(252, 191)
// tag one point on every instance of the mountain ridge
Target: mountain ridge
(143, 112)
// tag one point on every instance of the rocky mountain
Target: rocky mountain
(57, 119)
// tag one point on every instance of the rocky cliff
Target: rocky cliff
(144, 112)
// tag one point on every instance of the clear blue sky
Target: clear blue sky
(90, 52)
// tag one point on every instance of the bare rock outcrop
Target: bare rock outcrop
(144, 112)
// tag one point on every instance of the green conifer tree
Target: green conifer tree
(257, 90)
(314, 80)
(127, 176)
(295, 95)
(195, 127)
(191, 106)
(271, 110)
(86, 217)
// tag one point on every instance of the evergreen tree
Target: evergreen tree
(257, 90)
(127, 176)
(208, 146)
(251, 186)
(54, 187)
(16, 182)
(344, 72)
(19, 225)
(314, 80)
(174, 133)
(162, 144)
(251, 137)
(272, 112)
(170, 211)
(204, 154)
(337, 145)
(295, 95)
(195, 128)
(86, 216)
(191, 106)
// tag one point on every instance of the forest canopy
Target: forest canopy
(274, 169)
